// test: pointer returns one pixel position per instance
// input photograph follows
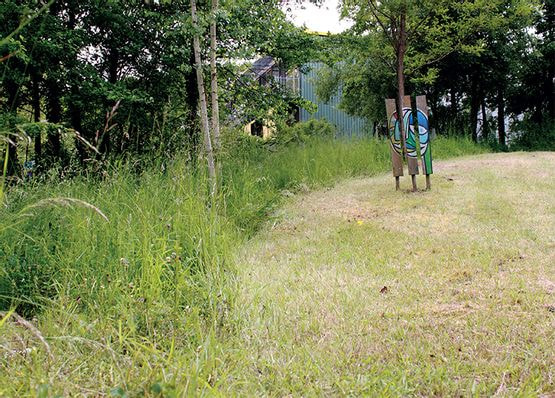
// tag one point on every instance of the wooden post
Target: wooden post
(423, 126)
(410, 142)
(395, 142)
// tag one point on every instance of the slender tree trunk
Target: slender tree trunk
(551, 91)
(35, 99)
(549, 9)
(474, 109)
(191, 89)
(202, 96)
(12, 90)
(105, 144)
(76, 119)
(75, 111)
(501, 116)
(401, 49)
(54, 115)
(113, 65)
(485, 126)
(214, 78)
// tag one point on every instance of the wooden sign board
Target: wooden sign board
(416, 139)
(410, 139)
(424, 134)
(396, 145)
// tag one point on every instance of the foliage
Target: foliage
(55, 250)
(304, 131)
(465, 56)
(535, 136)
(78, 59)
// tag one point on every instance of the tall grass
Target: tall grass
(256, 180)
(150, 286)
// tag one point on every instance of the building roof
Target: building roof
(261, 66)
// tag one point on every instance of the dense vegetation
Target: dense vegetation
(485, 66)
(83, 81)
(156, 280)
(118, 244)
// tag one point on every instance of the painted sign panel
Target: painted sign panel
(394, 138)
(394, 130)
(410, 140)
(424, 134)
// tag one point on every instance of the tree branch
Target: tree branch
(375, 10)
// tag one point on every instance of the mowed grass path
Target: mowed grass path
(361, 290)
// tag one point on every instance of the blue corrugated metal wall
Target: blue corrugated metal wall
(346, 125)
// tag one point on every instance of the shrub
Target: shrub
(535, 136)
(302, 131)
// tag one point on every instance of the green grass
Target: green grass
(147, 301)
(364, 291)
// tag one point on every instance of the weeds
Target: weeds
(142, 301)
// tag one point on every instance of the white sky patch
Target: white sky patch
(323, 18)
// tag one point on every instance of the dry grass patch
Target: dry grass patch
(361, 290)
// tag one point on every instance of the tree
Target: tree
(214, 76)
(80, 57)
(202, 96)
(418, 33)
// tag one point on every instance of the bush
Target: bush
(535, 136)
(303, 131)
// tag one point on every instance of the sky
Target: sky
(324, 18)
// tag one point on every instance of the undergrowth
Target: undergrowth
(140, 299)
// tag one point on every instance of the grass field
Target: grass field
(360, 290)
(278, 289)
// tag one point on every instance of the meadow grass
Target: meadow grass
(142, 301)
(363, 291)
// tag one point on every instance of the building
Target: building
(303, 82)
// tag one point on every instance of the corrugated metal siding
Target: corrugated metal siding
(346, 125)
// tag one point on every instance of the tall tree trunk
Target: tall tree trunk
(549, 9)
(113, 63)
(54, 115)
(214, 78)
(12, 90)
(485, 126)
(474, 108)
(75, 111)
(191, 89)
(551, 91)
(202, 96)
(76, 119)
(35, 99)
(105, 142)
(501, 116)
(401, 49)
